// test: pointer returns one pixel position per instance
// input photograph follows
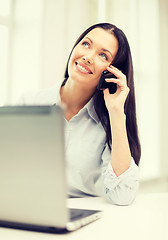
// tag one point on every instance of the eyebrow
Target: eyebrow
(103, 49)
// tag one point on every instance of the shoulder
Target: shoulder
(47, 96)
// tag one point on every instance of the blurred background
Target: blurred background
(36, 37)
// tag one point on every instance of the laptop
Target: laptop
(33, 190)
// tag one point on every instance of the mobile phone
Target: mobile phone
(110, 85)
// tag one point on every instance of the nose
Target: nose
(87, 59)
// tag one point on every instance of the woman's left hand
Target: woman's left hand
(116, 101)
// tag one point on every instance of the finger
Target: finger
(116, 72)
(106, 92)
(112, 80)
(114, 68)
(120, 84)
(117, 81)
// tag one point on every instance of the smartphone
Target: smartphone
(110, 85)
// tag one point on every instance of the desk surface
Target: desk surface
(146, 218)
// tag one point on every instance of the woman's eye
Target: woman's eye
(103, 55)
(85, 44)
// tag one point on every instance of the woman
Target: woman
(102, 145)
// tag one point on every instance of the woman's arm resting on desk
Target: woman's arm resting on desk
(122, 189)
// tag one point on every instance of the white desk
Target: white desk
(145, 219)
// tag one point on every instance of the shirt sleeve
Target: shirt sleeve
(120, 190)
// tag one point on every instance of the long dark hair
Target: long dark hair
(122, 61)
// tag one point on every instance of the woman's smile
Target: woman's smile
(82, 68)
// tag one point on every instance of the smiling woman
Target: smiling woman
(92, 56)
(102, 144)
(112, 38)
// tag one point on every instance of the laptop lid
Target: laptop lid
(32, 166)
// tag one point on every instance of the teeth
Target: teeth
(82, 68)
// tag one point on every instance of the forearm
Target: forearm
(120, 152)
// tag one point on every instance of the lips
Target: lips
(83, 68)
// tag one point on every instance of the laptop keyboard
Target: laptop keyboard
(75, 213)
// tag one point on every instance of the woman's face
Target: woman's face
(91, 56)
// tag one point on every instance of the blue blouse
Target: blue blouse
(89, 171)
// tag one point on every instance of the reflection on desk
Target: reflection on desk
(146, 218)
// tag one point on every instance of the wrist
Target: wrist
(115, 112)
